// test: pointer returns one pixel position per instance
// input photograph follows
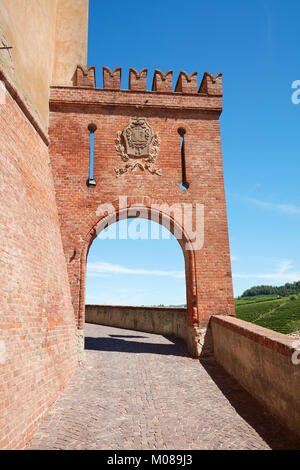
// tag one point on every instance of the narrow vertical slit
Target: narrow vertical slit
(184, 184)
(92, 129)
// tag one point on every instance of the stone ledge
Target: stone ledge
(62, 97)
(139, 307)
(271, 339)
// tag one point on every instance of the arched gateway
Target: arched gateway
(156, 154)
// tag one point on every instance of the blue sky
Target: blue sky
(256, 46)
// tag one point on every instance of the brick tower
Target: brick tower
(145, 144)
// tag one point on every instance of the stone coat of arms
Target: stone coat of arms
(138, 147)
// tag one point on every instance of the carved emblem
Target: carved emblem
(138, 146)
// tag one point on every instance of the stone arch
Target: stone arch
(208, 269)
(146, 207)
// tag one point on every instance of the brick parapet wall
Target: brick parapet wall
(264, 362)
(268, 338)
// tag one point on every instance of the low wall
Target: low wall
(160, 320)
(261, 361)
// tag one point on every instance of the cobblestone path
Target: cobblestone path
(141, 391)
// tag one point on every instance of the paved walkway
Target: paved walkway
(140, 391)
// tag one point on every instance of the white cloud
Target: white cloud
(92, 274)
(100, 267)
(285, 208)
(234, 258)
(120, 296)
(282, 273)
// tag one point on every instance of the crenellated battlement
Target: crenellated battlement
(138, 80)
(162, 82)
(187, 83)
(85, 77)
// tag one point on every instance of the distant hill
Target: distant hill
(283, 291)
(172, 306)
(279, 314)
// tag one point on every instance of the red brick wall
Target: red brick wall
(37, 326)
(72, 109)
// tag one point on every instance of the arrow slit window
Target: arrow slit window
(184, 183)
(91, 181)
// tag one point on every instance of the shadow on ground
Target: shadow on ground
(255, 414)
(271, 431)
(120, 344)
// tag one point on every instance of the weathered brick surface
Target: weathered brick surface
(112, 78)
(208, 271)
(163, 82)
(187, 83)
(85, 77)
(138, 80)
(211, 84)
(141, 391)
(37, 327)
